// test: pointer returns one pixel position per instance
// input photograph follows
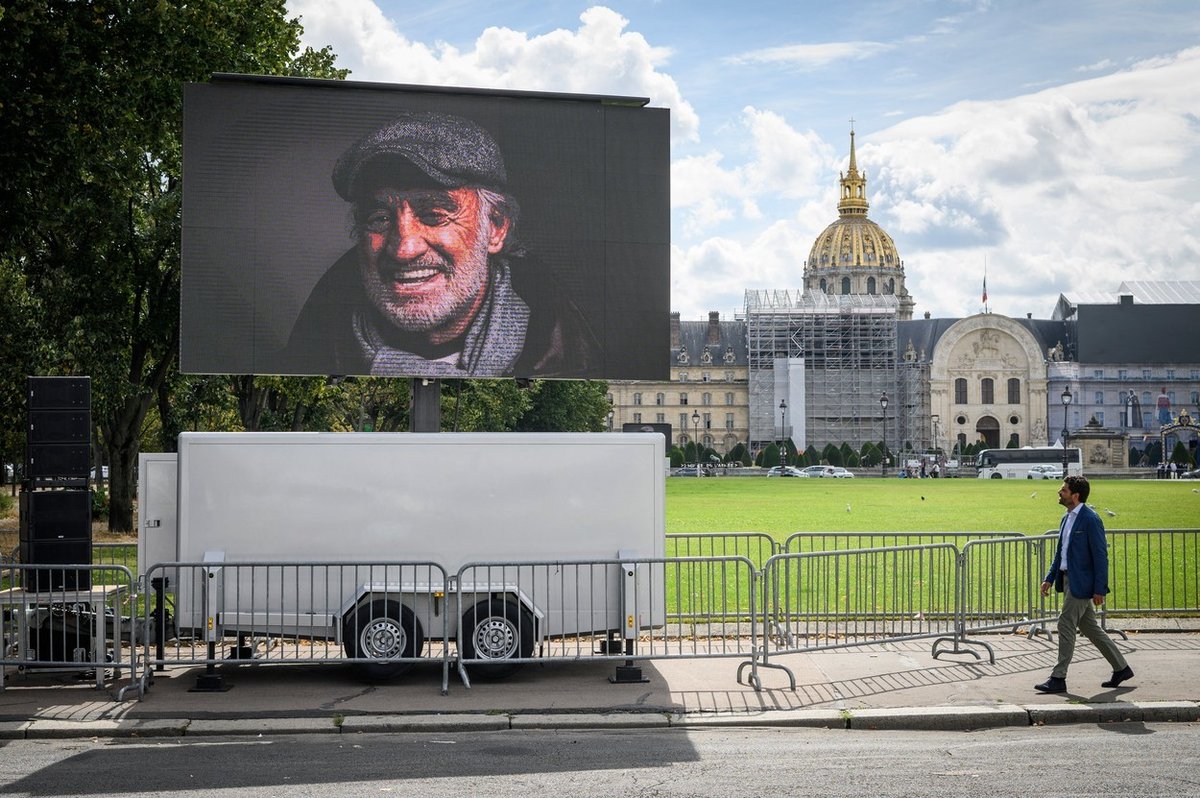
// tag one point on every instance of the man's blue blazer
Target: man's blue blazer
(1087, 558)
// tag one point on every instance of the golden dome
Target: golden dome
(853, 242)
(854, 255)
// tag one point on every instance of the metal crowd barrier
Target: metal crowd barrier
(66, 617)
(757, 547)
(834, 541)
(839, 599)
(381, 616)
(1153, 572)
(618, 610)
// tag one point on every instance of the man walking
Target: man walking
(1080, 573)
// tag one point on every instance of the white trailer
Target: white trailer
(445, 498)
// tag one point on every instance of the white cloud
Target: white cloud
(599, 57)
(812, 56)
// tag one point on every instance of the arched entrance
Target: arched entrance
(988, 430)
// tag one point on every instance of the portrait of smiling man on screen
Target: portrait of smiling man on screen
(437, 283)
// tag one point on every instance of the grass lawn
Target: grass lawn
(780, 507)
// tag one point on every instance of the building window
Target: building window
(1014, 391)
(637, 398)
(708, 441)
(1195, 398)
(1145, 374)
(683, 398)
(1014, 441)
(824, 286)
(1099, 397)
(637, 418)
(1098, 374)
(870, 285)
(729, 376)
(729, 421)
(729, 397)
(845, 285)
(960, 391)
(1122, 374)
(708, 420)
(1099, 417)
(660, 418)
(962, 441)
(706, 376)
(660, 398)
(683, 376)
(683, 421)
(1170, 374)
(987, 391)
(706, 399)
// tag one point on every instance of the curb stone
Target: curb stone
(623, 720)
(803, 718)
(938, 718)
(362, 724)
(13, 729)
(253, 726)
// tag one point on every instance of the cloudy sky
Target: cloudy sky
(1057, 142)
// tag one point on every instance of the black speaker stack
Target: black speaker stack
(56, 505)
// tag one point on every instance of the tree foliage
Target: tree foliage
(90, 114)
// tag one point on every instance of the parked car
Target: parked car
(690, 471)
(1193, 474)
(1046, 472)
(828, 472)
(786, 471)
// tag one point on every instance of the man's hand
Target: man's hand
(1098, 599)
(1046, 588)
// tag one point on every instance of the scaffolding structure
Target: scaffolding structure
(849, 351)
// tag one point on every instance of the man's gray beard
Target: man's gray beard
(422, 316)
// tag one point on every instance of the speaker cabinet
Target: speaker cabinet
(55, 515)
(53, 555)
(58, 460)
(60, 393)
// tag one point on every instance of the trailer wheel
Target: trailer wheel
(383, 629)
(496, 630)
(997, 476)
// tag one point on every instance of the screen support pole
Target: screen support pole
(426, 412)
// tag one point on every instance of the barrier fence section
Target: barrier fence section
(855, 597)
(620, 610)
(998, 586)
(381, 616)
(833, 541)
(66, 617)
(1153, 572)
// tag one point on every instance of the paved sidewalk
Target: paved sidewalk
(886, 686)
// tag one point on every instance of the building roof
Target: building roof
(718, 339)
(1144, 292)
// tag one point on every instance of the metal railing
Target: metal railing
(66, 617)
(383, 616)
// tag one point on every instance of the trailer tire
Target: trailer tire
(496, 630)
(997, 476)
(381, 629)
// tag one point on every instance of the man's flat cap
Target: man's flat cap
(450, 150)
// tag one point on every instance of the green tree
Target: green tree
(812, 456)
(738, 454)
(566, 406)
(1180, 454)
(90, 114)
(832, 454)
(770, 456)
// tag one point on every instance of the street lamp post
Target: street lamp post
(696, 438)
(782, 432)
(1066, 400)
(883, 403)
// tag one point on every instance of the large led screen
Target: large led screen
(337, 228)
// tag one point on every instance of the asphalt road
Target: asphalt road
(1130, 759)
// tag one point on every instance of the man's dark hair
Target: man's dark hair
(1078, 485)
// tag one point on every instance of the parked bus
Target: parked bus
(1017, 463)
